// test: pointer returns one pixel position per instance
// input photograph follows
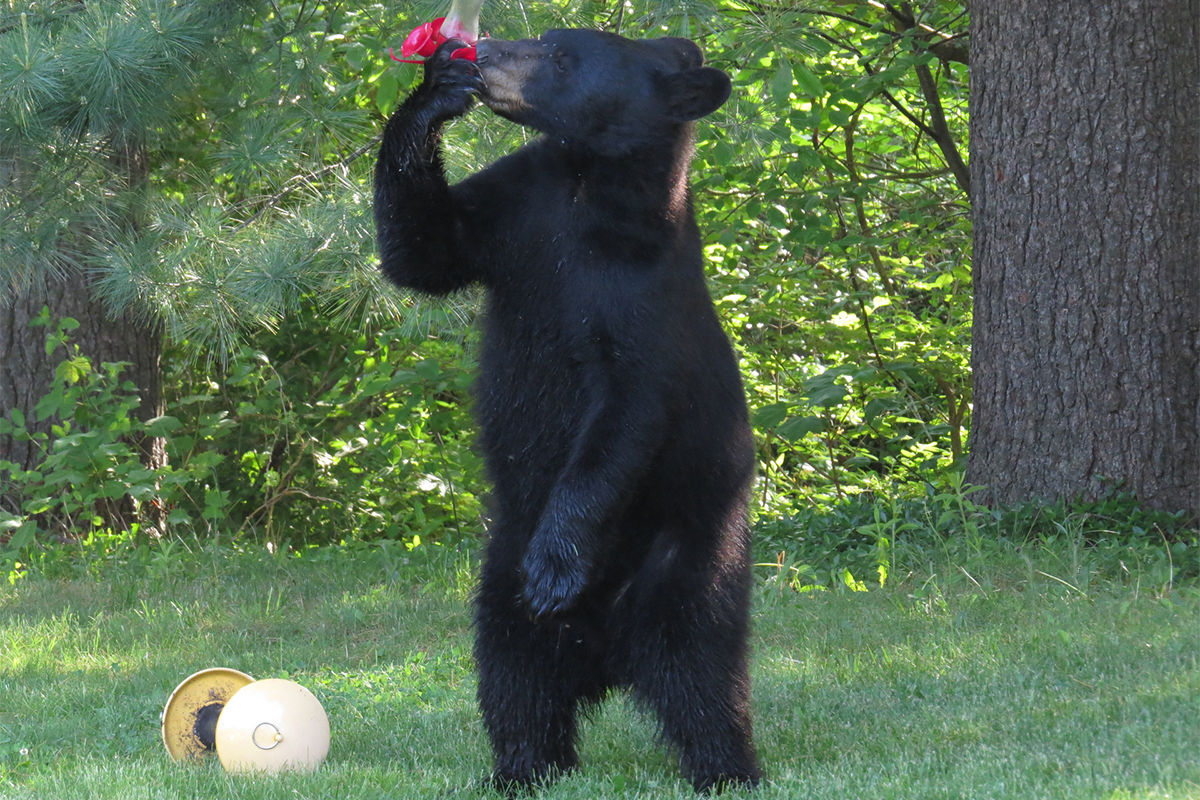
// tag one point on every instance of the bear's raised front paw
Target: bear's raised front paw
(555, 574)
(451, 84)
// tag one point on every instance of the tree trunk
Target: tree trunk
(1085, 175)
(26, 370)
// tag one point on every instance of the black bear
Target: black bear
(613, 420)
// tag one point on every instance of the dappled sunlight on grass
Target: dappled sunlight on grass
(917, 689)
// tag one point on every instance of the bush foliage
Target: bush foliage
(310, 404)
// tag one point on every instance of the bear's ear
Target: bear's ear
(695, 93)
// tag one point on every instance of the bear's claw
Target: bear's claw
(554, 577)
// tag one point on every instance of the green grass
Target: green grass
(1028, 680)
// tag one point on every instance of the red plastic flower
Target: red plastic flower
(425, 39)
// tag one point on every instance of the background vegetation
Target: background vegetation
(307, 402)
(304, 402)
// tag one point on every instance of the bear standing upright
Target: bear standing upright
(613, 419)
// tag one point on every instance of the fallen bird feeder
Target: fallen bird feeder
(253, 726)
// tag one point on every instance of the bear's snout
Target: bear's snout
(505, 71)
(483, 51)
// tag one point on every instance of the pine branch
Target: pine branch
(300, 180)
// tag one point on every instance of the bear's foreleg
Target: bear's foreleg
(610, 454)
(423, 233)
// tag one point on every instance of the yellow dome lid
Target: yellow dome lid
(189, 719)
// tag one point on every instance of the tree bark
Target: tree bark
(1085, 175)
(26, 370)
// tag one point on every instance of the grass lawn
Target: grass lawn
(1003, 687)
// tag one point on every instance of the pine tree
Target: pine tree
(171, 171)
(1087, 223)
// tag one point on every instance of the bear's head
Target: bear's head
(600, 91)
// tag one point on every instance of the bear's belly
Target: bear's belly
(530, 399)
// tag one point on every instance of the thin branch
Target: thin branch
(947, 48)
(299, 180)
(816, 12)
(938, 129)
(893, 175)
(941, 131)
(925, 129)
(928, 131)
(860, 210)
(834, 15)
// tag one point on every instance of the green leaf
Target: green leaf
(162, 426)
(138, 474)
(214, 504)
(853, 583)
(810, 84)
(356, 55)
(826, 396)
(429, 369)
(386, 91)
(373, 384)
(141, 491)
(23, 537)
(839, 117)
(769, 416)
(72, 370)
(864, 374)
(37, 505)
(781, 84)
(824, 391)
(796, 428)
(877, 407)
(204, 461)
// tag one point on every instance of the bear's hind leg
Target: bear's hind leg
(533, 678)
(686, 641)
(701, 700)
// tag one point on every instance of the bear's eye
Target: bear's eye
(560, 59)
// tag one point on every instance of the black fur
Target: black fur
(614, 424)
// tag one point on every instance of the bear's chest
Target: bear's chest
(552, 338)
(549, 322)
(547, 220)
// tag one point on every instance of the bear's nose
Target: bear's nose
(483, 51)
